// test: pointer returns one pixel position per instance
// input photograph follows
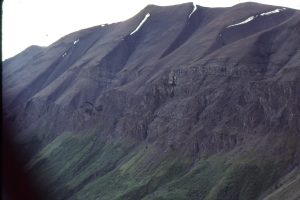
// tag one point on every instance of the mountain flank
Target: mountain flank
(178, 102)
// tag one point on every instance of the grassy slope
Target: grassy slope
(82, 166)
(287, 188)
(289, 191)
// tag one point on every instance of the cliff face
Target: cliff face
(178, 102)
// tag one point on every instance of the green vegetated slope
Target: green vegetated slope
(82, 166)
(287, 188)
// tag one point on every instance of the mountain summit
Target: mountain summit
(177, 102)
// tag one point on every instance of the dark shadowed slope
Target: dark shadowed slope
(178, 102)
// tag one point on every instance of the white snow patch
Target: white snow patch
(195, 8)
(142, 22)
(253, 17)
(64, 54)
(243, 22)
(273, 11)
(76, 41)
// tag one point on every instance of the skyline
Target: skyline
(41, 23)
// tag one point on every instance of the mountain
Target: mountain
(177, 102)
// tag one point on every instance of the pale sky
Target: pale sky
(42, 22)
